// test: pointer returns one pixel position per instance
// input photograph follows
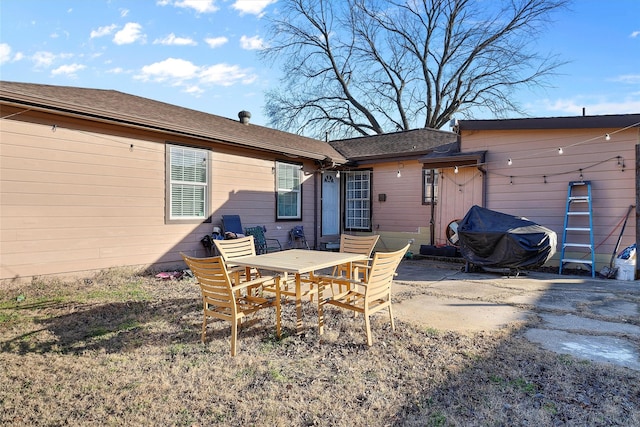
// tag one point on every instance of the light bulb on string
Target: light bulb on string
(455, 169)
(607, 137)
(399, 174)
(560, 150)
(338, 174)
(509, 162)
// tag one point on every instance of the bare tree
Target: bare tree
(361, 67)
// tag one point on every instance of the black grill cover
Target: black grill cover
(494, 239)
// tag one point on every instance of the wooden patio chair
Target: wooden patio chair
(263, 244)
(369, 296)
(363, 245)
(236, 248)
(222, 300)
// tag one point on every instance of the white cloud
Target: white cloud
(628, 78)
(200, 6)
(5, 53)
(131, 33)
(600, 107)
(226, 75)
(635, 34)
(68, 70)
(251, 43)
(43, 59)
(117, 70)
(194, 90)
(103, 31)
(255, 7)
(172, 40)
(214, 42)
(169, 69)
(180, 72)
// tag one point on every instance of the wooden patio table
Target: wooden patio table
(299, 262)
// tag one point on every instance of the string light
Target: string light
(509, 162)
(338, 174)
(511, 180)
(455, 169)
(53, 128)
(560, 150)
(399, 174)
(607, 137)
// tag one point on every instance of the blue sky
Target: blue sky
(202, 54)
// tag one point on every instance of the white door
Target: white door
(330, 203)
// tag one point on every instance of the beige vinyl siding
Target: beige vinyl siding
(535, 153)
(81, 198)
(403, 210)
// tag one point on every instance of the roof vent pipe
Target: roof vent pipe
(244, 117)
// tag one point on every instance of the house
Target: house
(92, 179)
(523, 167)
(403, 195)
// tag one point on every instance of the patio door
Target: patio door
(330, 203)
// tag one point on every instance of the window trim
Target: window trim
(426, 199)
(168, 185)
(298, 168)
(349, 174)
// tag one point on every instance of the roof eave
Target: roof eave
(71, 110)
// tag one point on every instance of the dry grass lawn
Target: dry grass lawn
(123, 348)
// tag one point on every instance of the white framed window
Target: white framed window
(358, 200)
(188, 183)
(429, 186)
(289, 191)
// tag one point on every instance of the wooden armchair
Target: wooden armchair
(358, 245)
(369, 296)
(236, 248)
(222, 300)
(263, 244)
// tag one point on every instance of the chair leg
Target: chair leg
(204, 329)
(367, 323)
(393, 324)
(234, 336)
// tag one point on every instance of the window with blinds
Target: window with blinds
(189, 171)
(429, 186)
(358, 200)
(288, 184)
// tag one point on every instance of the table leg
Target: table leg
(278, 307)
(298, 306)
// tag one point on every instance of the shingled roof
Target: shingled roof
(397, 145)
(134, 111)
